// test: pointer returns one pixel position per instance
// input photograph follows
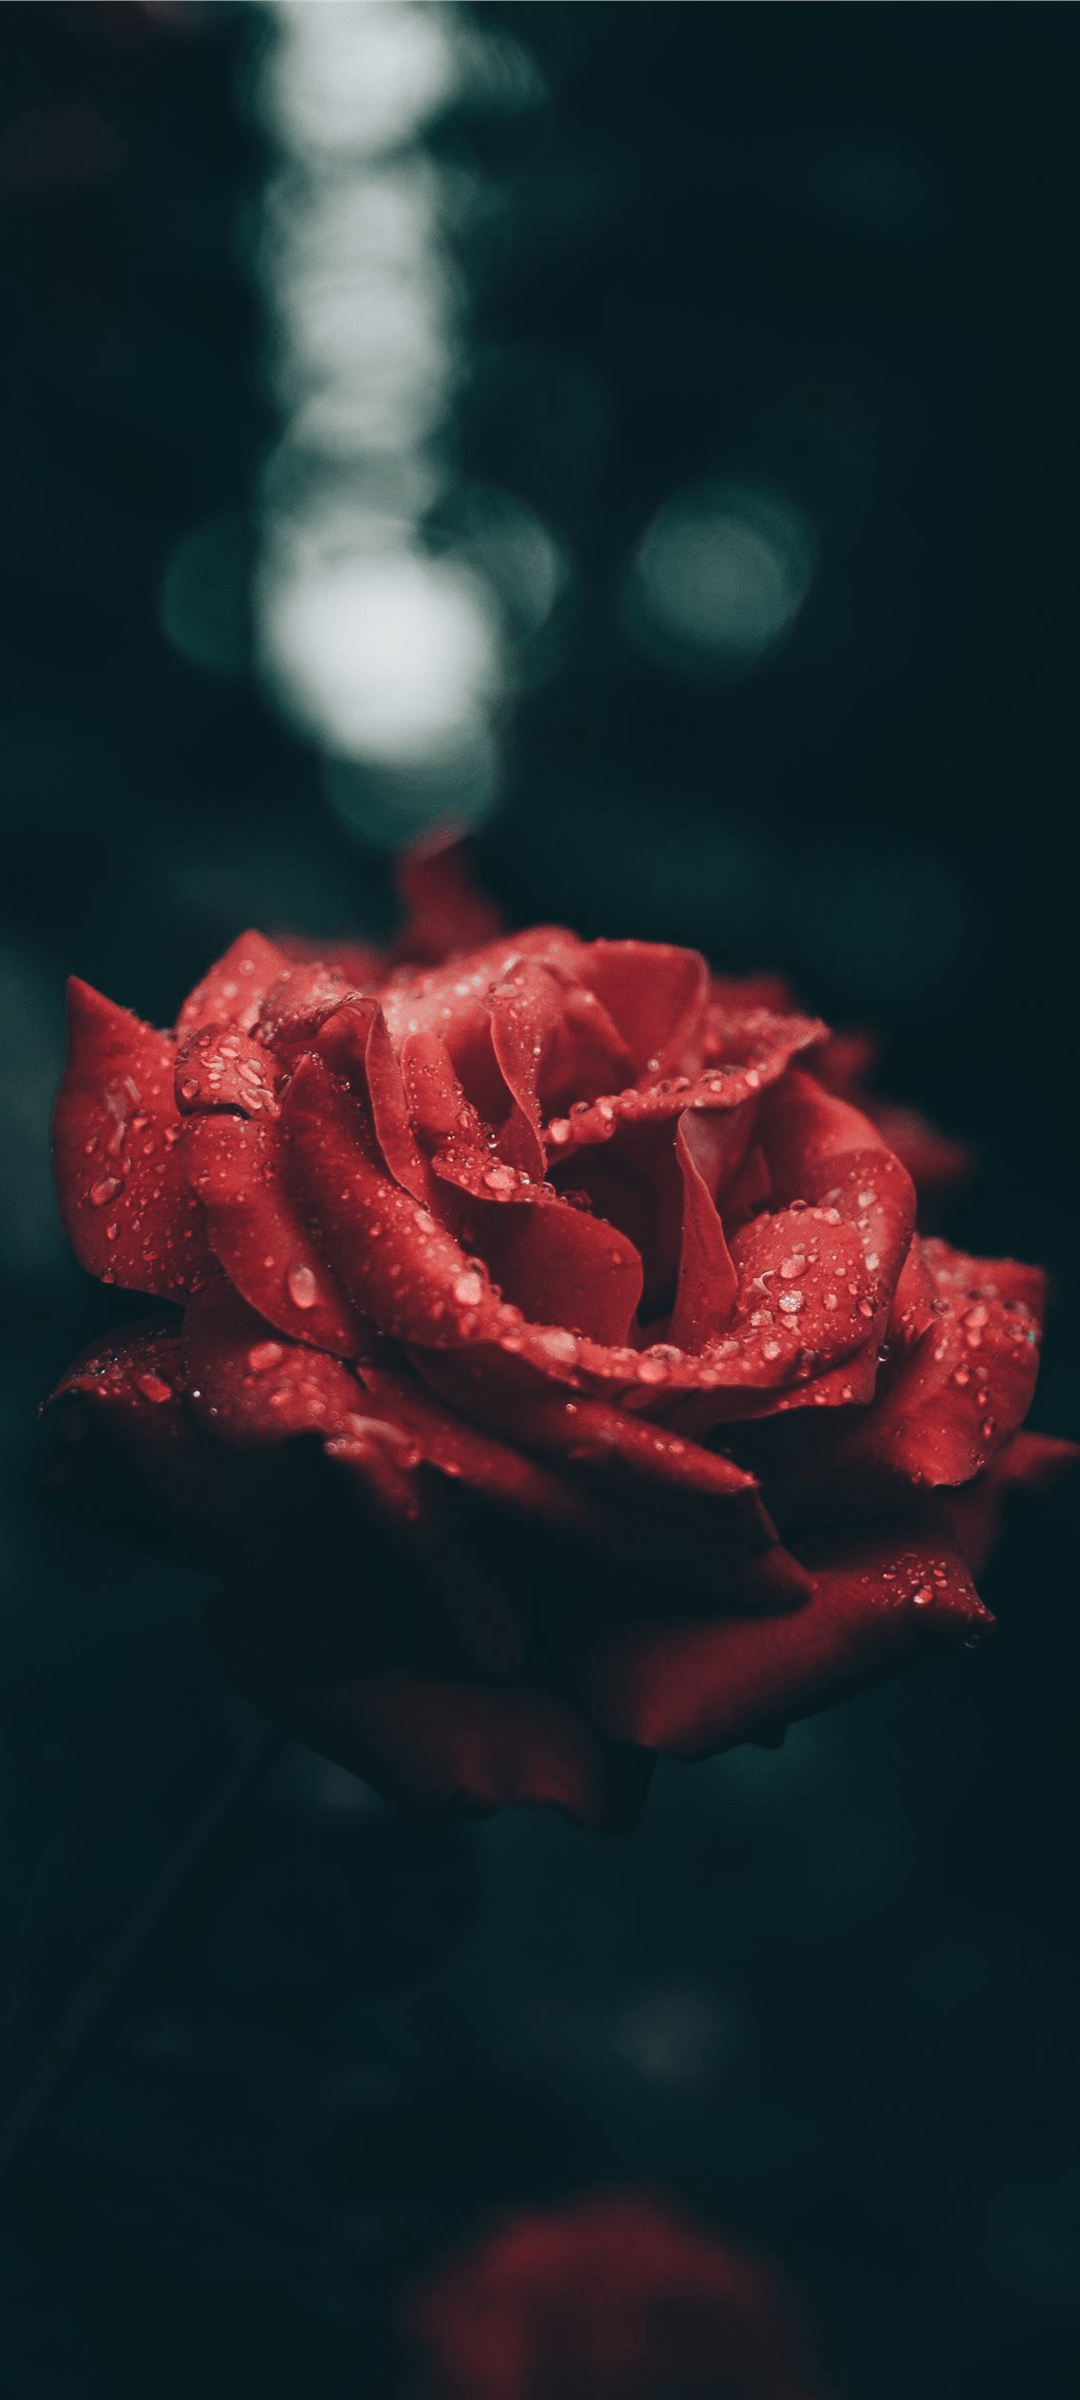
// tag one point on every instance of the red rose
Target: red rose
(560, 1378)
(614, 2298)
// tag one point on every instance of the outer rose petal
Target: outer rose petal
(260, 1235)
(233, 991)
(426, 1743)
(249, 1389)
(397, 1263)
(125, 1205)
(1029, 1462)
(131, 1451)
(962, 1388)
(880, 1597)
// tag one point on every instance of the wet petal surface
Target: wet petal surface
(126, 1206)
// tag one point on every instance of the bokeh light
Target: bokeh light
(719, 578)
(389, 591)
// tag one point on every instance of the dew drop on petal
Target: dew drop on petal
(153, 1387)
(101, 1193)
(302, 1285)
(263, 1355)
(557, 1345)
(923, 1596)
(469, 1289)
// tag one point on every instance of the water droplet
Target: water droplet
(302, 1285)
(866, 1199)
(830, 1300)
(790, 1267)
(872, 1260)
(987, 1428)
(469, 1289)
(264, 1354)
(500, 1179)
(153, 1387)
(101, 1193)
(791, 1302)
(190, 1087)
(771, 1350)
(559, 1129)
(922, 1597)
(962, 1376)
(866, 1308)
(557, 1345)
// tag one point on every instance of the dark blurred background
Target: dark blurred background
(646, 434)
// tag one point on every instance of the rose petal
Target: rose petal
(952, 1399)
(654, 993)
(248, 1388)
(298, 1004)
(428, 1744)
(131, 1453)
(880, 1598)
(218, 1067)
(355, 1041)
(708, 1282)
(259, 1233)
(123, 1199)
(562, 1267)
(235, 988)
(767, 1044)
(1029, 1462)
(398, 1264)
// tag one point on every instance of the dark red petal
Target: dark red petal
(218, 1067)
(761, 1047)
(525, 1009)
(248, 1388)
(471, 1455)
(654, 993)
(963, 1387)
(123, 1199)
(259, 1232)
(298, 1004)
(130, 1453)
(591, 1432)
(234, 990)
(1029, 1462)
(446, 913)
(429, 1745)
(707, 1285)
(562, 1267)
(355, 1043)
(880, 1598)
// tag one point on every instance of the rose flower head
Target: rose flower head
(549, 1365)
(614, 2297)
